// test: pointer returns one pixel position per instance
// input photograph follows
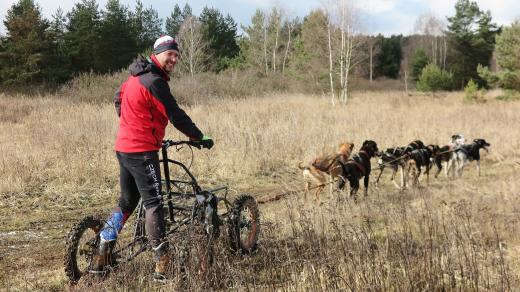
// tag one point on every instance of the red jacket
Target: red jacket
(144, 105)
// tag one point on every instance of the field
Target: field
(58, 164)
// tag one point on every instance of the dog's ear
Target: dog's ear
(374, 144)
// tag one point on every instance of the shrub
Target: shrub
(509, 95)
(510, 80)
(432, 79)
(471, 92)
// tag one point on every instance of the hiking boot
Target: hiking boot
(162, 261)
(101, 257)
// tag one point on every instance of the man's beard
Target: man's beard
(166, 69)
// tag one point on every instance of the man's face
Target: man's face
(168, 59)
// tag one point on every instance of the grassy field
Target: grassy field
(58, 164)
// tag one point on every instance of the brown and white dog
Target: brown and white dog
(325, 168)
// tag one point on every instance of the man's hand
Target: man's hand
(206, 142)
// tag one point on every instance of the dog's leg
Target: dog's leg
(462, 164)
(379, 176)
(394, 172)
(307, 185)
(438, 163)
(331, 187)
(407, 173)
(460, 168)
(427, 172)
(478, 167)
(411, 173)
(306, 182)
(416, 172)
(403, 183)
(354, 186)
(417, 179)
(367, 177)
(318, 191)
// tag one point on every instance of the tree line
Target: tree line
(324, 48)
(90, 39)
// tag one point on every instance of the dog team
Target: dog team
(410, 160)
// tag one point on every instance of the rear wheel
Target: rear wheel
(244, 227)
(82, 242)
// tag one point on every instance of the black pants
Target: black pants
(140, 177)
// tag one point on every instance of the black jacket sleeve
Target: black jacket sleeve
(177, 116)
(117, 101)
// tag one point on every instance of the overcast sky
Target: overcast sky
(377, 16)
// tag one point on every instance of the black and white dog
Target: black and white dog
(469, 152)
(357, 167)
(393, 158)
(445, 155)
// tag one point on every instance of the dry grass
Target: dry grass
(57, 164)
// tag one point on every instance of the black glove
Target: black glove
(206, 142)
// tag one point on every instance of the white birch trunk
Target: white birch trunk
(275, 45)
(287, 49)
(333, 98)
(265, 49)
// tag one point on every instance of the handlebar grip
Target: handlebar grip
(169, 143)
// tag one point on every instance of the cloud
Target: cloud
(377, 6)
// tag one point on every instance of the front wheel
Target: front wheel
(81, 244)
(244, 227)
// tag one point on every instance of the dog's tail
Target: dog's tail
(302, 167)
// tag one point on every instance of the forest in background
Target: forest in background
(323, 52)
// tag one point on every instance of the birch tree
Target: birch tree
(194, 47)
(434, 40)
(289, 27)
(341, 25)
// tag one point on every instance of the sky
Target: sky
(375, 16)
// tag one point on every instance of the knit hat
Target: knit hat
(164, 43)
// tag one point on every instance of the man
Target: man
(144, 105)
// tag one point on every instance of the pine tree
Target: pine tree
(82, 36)
(59, 58)
(508, 59)
(26, 46)
(310, 60)
(251, 45)
(118, 45)
(174, 21)
(389, 59)
(471, 34)
(221, 35)
(147, 26)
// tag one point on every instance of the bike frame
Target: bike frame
(200, 196)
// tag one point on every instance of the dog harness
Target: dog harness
(357, 163)
(326, 168)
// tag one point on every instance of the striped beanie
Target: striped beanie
(164, 43)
